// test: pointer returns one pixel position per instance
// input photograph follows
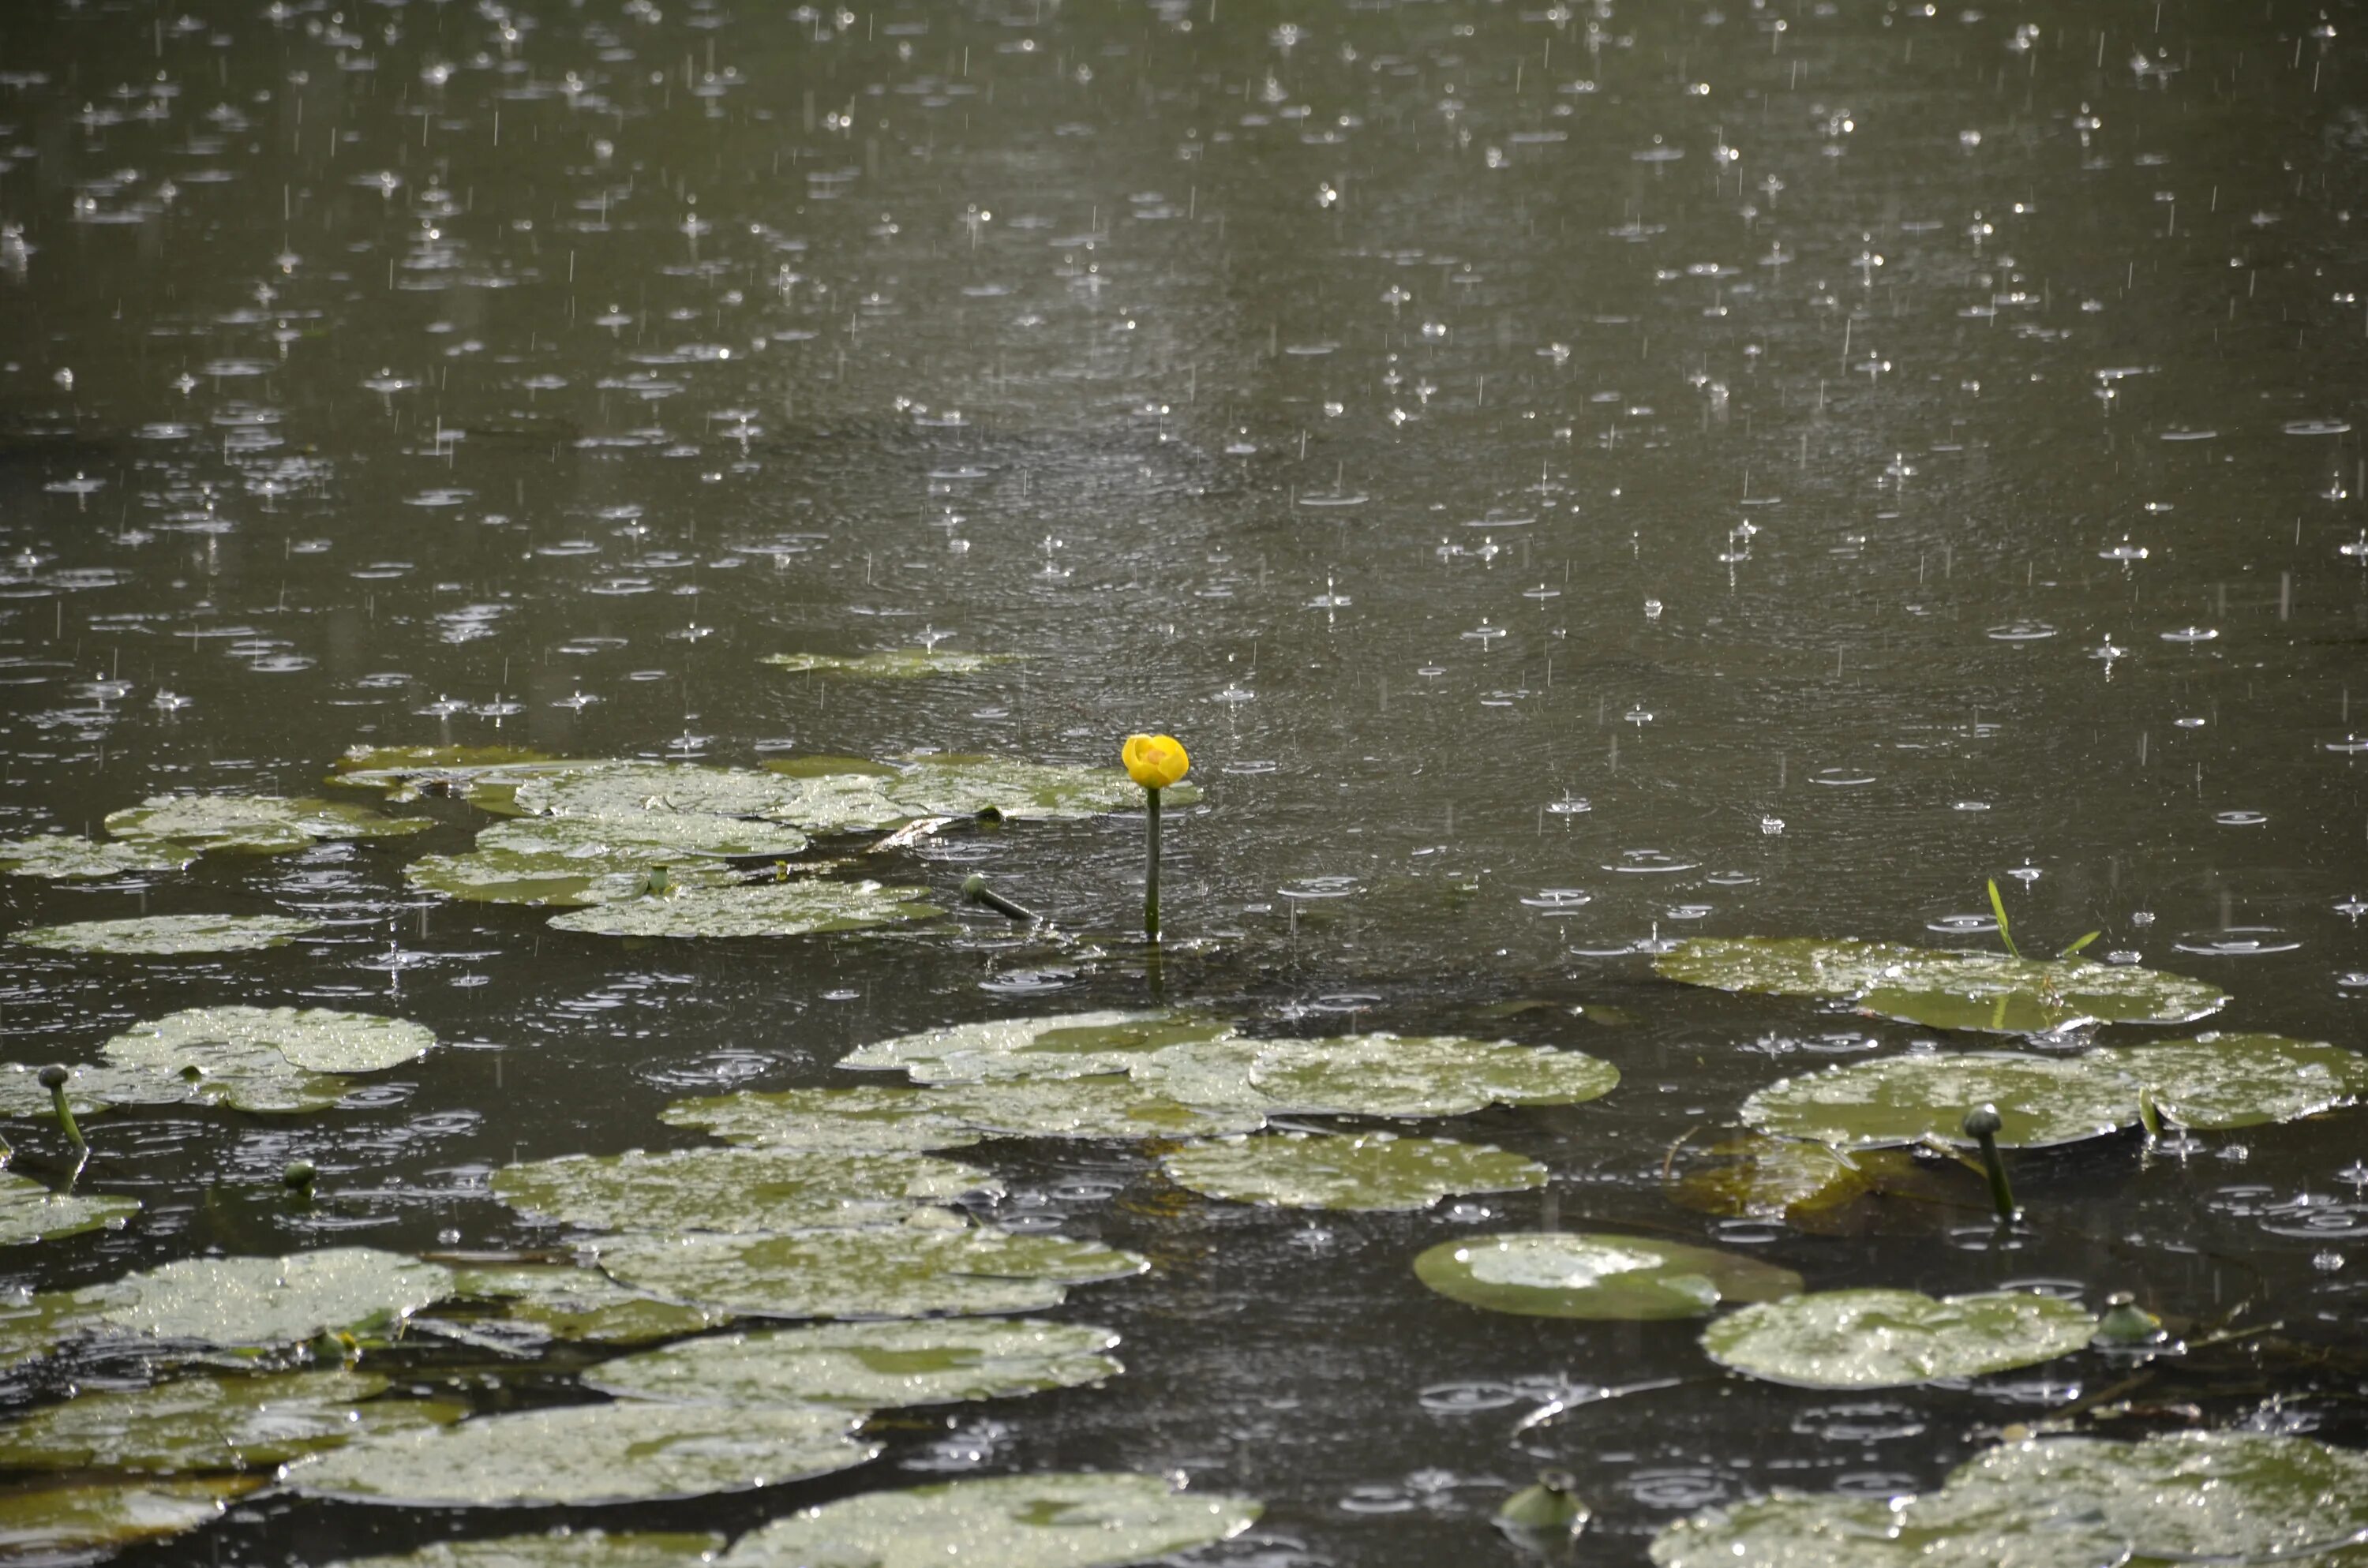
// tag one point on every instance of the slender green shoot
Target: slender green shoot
(2074, 949)
(1997, 907)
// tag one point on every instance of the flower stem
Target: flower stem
(1151, 866)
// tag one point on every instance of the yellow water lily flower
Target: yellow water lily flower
(1155, 761)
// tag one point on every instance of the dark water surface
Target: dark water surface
(1436, 415)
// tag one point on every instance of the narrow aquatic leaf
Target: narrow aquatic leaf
(1998, 908)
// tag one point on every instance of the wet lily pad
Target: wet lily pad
(903, 1272)
(560, 1549)
(70, 857)
(1370, 1171)
(900, 664)
(31, 1212)
(1871, 1339)
(265, 1059)
(165, 935)
(2062, 1503)
(259, 1302)
(212, 1423)
(1062, 1045)
(1374, 1074)
(630, 791)
(1808, 1184)
(742, 1190)
(582, 1305)
(254, 824)
(867, 1365)
(556, 879)
(68, 1523)
(1561, 1274)
(1012, 1521)
(1087, 1107)
(588, 1454)
(777, 909)
(1989, 992)
(853, 1120)
(1014, 790)
(2239, 1080)
(485, 776)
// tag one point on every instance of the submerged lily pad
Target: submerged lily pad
(566, 1547)
(1944, 990)
(2061, 1502)
(158, 936)
(31, 1212)
(903, 1272)
(265, 1059)
(212, 1423)
(1810, 1186)
(257, 825)
(588, 1454)
(582, 1305)
(1871, 1339)
(1010, 1521)
(1370, 1171)
(900, 663)
(1063, 1045)
(776, 909)
(69, 857)
(259, 1302)
(867, 1365)
(739, 1191)
(68, 1523)
(1561, 1274)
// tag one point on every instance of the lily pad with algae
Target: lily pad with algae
(2062, 1502)
(563, 1548)
(261, 1059)
(254, 1302)
(584, 1455)
(899, 664)
(30, 1212)
(870, 1366)
(1059, 1045)
(1011, 1521)
(59, 857)
(581, 1305)
(2218, 1081)
(170, 935)
(1871, 1339)
(235, 1423)
(1370, 1171)
(253, 824)
(775, 909)
(1991, 992)
(70, 1524)
(1563, 1273)
(908, 1271)
(741, 1190)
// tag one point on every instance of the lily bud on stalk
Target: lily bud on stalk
(1155, 762)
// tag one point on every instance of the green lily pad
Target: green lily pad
(582, 1305)
(1871, 1339)
(1370, 1171)
(950, 786)
(566, 1547)
(31, 1212)
(823, 765)
(1794, 1529)
(870, 1366)
(900, 664)
(652, 836)
(905, 1272)
(741, 1190)
(776, 909)
(485, 776)
(1063, 1045)
(634, 790)
(212, 1423)
(70, 857)
(1010, 1521)
(557, 879)
(1374, 1074)
(260, 1301)
(1087, 1107)
(262, 1058)
(72, 1523)
(257, 825)
(588, 1454)
(1810, 1186)
(91, 1088)
(1944, 990)
(2217, 1081)
(1560, 1274)
(165, 935)
(849, 1120)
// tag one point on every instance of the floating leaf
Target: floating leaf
(851, 1120)
(1011, 1521)
(256, 824)
(905, 1272)
(1374, 1074)
(260, 1301)
(212, 1423)
(1064, 1045)
(171, 935)
(947, 786)
(739, 1191)
(1871, 1339)
(31, 1212)
(1373, 1170)
(90, 1089)
(633, 790)
(1944, 990)
(900, 663)
(778, 909)
(69, 857)
(69, 1523)
(867, 1365)
(566, 1547)
(556, 880)
(486, 775)
(654, 837)
(582, 1304)
(267, 1059)
(821, 764)
(1087, 1107)
(2239, 1080)
(1793, 1529)
(1561, 1274)
(588, 1454)
(1813, 1187)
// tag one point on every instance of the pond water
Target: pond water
(1578, 478)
